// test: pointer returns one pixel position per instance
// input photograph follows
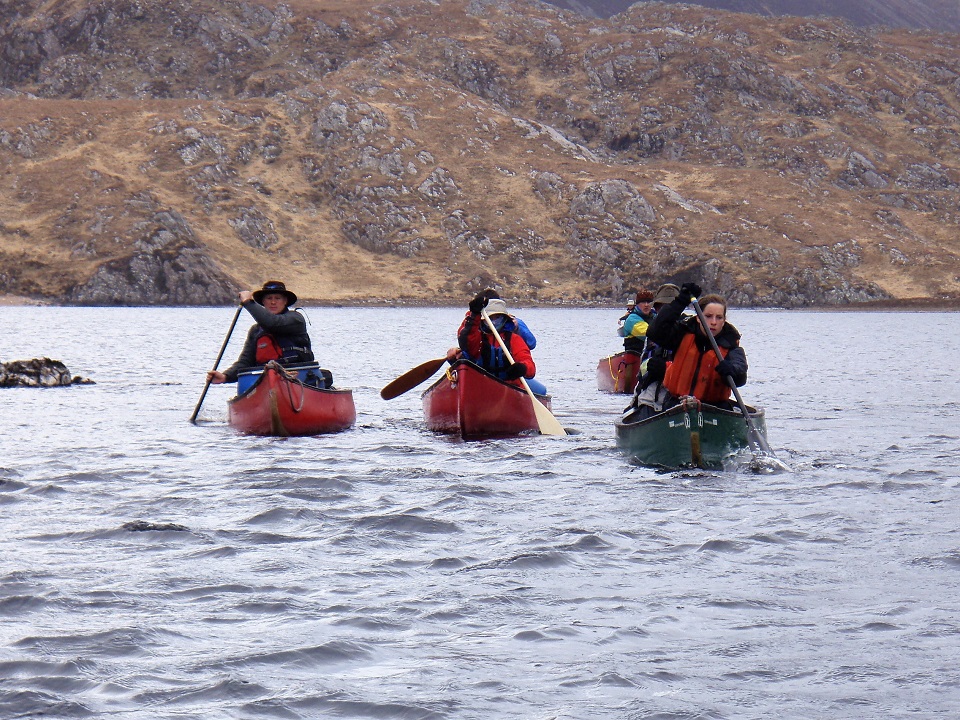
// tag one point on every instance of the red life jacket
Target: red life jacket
(694, 372)
(267, 349)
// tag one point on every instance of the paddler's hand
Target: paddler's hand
(726, 369)
(478, 303)
(245, 295)
(688, 291)
(216, 377)
(515, 371)
(453, 354)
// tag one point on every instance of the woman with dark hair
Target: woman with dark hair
(695, 369)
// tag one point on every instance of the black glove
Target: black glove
(516, 370)
(656, 368)
(688, 291)
(726, 369)
(478, 303)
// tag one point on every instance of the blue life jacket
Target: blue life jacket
(492, 357)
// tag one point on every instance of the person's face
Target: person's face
(275, 302)
(715, 316)
(645, 307)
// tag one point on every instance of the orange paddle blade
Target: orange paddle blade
(411, 378)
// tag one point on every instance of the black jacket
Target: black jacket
(669, 328)
(287, 324)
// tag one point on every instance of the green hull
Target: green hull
(688, 435)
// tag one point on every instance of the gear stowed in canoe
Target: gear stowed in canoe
(618, 373)
(281, 401)
(690, 434)
(472, 403)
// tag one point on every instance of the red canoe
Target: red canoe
(472, 403)
(618, 373)
(279, 403)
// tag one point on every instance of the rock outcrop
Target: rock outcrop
(39, 372)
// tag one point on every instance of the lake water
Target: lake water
(387, 572)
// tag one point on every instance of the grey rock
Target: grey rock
(39, 373)
(167, 267)
(439, 185)
(254, 228)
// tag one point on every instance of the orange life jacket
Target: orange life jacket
(694, 372)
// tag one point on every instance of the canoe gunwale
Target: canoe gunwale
(450, 404)
(456, 365)
(290, 377)
(338, 411)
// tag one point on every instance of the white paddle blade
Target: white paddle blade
(549, 425)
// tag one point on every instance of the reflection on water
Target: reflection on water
(157, 569)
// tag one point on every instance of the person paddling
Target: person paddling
(649, 394)
(279, 334)
(477, 344)
(695, 369)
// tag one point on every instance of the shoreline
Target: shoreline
(904, 305)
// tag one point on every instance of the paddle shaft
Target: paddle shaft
(216, 364)
(547, 422)
(755, 436)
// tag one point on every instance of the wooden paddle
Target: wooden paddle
(226, 341)
(411, 378)
(545, 420)
(755, 438)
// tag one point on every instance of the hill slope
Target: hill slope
(169, 152)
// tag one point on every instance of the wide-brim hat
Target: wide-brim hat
(274, 287)
(496, 306)
(666, 293)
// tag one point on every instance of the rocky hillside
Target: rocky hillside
(172, 151)
(939, 15)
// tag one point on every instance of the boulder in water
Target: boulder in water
(39, 372)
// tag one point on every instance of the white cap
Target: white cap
(496, 306)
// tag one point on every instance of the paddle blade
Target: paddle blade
(411, 378)
(549, 425)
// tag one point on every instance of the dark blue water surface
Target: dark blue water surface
(387, 572)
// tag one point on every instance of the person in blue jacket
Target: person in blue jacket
(513, 324)
(633, 325)
(522, 329)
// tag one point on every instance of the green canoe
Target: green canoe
(690, 434)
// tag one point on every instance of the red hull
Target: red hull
(618, 373)
(472, 403)
(276, 405)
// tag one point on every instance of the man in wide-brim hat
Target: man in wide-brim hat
(278, 334)
(274, 287)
